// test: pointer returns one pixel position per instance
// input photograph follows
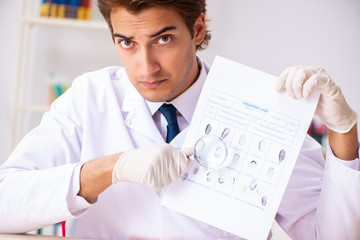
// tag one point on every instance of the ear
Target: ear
(199, 29)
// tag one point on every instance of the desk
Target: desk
(34, 236)
(276, 230)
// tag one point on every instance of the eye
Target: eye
(126, 43)
(164, 39)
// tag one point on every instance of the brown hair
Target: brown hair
(190, 11)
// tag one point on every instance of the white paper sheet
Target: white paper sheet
(265, 132)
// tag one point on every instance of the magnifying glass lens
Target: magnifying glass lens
(210, 151)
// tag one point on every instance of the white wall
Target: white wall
(272, 35)
(268, 35)
(9, 15)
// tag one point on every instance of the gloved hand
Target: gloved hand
(332, 108)
(155, 166)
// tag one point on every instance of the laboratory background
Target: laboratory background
(266, 35)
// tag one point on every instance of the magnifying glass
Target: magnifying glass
(210, 151)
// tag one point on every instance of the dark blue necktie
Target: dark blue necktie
(169, 112)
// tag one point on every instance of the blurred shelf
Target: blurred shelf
(28, 20)
(65, 22)
(40, 108)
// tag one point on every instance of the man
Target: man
(99, 160)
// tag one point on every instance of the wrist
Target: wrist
(344, 146)
(96, 176)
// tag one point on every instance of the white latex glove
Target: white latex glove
(332, 108)
(155, 166)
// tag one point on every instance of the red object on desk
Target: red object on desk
(63, 228)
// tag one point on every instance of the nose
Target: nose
(149, 65)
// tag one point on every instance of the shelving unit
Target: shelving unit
(55, 22)
(29, 19)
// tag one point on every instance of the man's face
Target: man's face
(157, 51)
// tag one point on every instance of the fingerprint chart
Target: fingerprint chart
(255, 142)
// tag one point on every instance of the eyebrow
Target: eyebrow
(165, 29)
(122, 36)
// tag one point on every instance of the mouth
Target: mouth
(152, 84)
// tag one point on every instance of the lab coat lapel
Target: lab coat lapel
(139, 117)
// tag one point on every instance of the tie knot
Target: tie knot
(169, 112)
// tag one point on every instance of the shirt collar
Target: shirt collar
(186, 102)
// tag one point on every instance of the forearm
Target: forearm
(344, 145)
(96, 176)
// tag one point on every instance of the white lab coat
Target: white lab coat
(102, 114)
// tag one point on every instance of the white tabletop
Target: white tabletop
(34, 236)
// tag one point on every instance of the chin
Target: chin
(156, 98)
(159, 96)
